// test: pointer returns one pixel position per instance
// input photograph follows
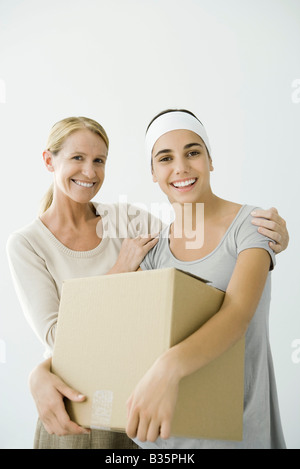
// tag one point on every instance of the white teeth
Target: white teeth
(184, 183)
(83, 184)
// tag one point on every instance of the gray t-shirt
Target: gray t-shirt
(262, 424)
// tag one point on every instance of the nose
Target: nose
(88, 170)
(181, 165)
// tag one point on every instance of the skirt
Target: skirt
(97, 439)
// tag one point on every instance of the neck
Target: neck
(190, 216)
(65, 211)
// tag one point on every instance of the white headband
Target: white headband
(175, 120)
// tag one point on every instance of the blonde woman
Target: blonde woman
(64, 243)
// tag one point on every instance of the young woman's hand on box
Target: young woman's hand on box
(151, 406)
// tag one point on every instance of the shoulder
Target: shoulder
(247, 235)
(22, 245)
(23, 236)
(243, 221)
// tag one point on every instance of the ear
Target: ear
(154, 178)
(211, 168)
(48, 160)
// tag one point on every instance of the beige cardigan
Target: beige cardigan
(39, 262)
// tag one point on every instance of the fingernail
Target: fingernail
(253, 213)
(80, 396)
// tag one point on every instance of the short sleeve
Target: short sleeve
(155, 259)
(248, 237)
(147, 264)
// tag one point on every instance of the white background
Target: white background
(234, 63)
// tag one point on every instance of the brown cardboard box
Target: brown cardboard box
(111, 329)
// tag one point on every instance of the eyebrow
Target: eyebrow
(186, 147)
(84, 154)
(189, 145)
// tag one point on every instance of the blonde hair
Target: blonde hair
(58, 134)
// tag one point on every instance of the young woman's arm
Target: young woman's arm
(152, 404)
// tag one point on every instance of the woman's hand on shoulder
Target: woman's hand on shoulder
(133, 252)
(272, 225)
(48, 392)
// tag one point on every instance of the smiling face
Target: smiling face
(181, 166)
(79, 167)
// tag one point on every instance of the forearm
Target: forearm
(230, 323)
(36, 375)
(209, 342)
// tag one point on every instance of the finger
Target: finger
(147, 237)
(273, 235)
(165, 430)
(142, 429)
(128, 405)
(147, 247)
(273, 210)
(68, 427)
(270, 225)
(270, 214)
(69, 392)
(51, 424)
(57, 420)
(151, 243)
(277, 248)
(153, 431)
(132, 424)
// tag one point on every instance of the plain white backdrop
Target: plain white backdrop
(234, 63)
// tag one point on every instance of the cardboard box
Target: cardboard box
(112, 328)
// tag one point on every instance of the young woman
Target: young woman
(236, 259)
(64, 243)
